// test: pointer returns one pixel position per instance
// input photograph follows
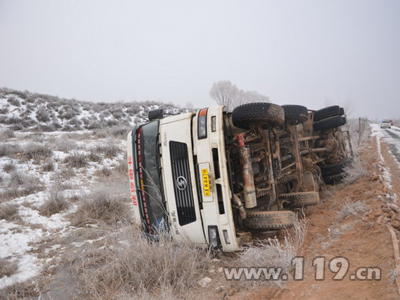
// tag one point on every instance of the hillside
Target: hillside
(38, 112)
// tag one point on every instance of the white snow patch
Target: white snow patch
(28, 267)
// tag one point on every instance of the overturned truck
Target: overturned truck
(214, 177)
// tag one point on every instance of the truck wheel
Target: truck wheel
(328, 112)
(298, 200)
(265, 114)
(334, 169)
(270, 219)
(334, 179)
(295, 114)
(329, 123)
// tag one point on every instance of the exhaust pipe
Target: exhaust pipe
(250, 199)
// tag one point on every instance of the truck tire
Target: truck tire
(270, 219)
(334, 169)
(329, 123)
(295, 114)
(327, 112)
(265, 114)
(298, 200)
(334, 179)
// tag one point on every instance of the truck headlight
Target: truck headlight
(202, 124)
(213, 237)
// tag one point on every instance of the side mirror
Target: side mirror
(156, 114)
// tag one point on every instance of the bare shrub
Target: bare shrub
(9, 212)
(22, 184)
(65, 145)
(360, 130)
(354, 171)
(4, 110)
(76, 123)
(7, 267)
(133, 110)
(36, 137)
(46, 127)
(13, 100)
(120, 132)
(94, 125)
(55, 202)
(8, 149)
(42, 115)
(13, 120)
(109, 150)
(128, 265)
(94, 157)
(48, 166)
(67, 112)
(9, 167)
(100, 206)
(7, 134)
(106, 172)
(76, 160)
(67, 173)
(19, 291)
(351, 209)
(122, 167)
(18, 126)
(274, 253)
(118, 113)
(36, 152)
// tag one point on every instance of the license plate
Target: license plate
(206, 182)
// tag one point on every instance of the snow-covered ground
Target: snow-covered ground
(21, 237)
(392, 138)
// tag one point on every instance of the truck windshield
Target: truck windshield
(149, 177)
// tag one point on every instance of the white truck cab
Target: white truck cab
(179, 178)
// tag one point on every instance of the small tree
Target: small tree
(226, 93)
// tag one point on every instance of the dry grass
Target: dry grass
(9, 167)
(7, 267)
(8, 149)
(274, 253)
(21, 185)
(9, 212)
(37, 152)
(109, 150)
(102, 206)
(118, 132)
(7, 134)
(48, 166)
(351, 209)
(122, 167)
(104, 172)
(65, 145)
(129, 266)
(19, 291)
(354, 171)
(55, 202)
(94, 157)
(76, 160)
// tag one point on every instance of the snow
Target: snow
(20, 238)
(383, 135)
(378, 134)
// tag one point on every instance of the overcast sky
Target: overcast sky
(295, 52)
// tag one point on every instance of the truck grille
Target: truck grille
(182, 183)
